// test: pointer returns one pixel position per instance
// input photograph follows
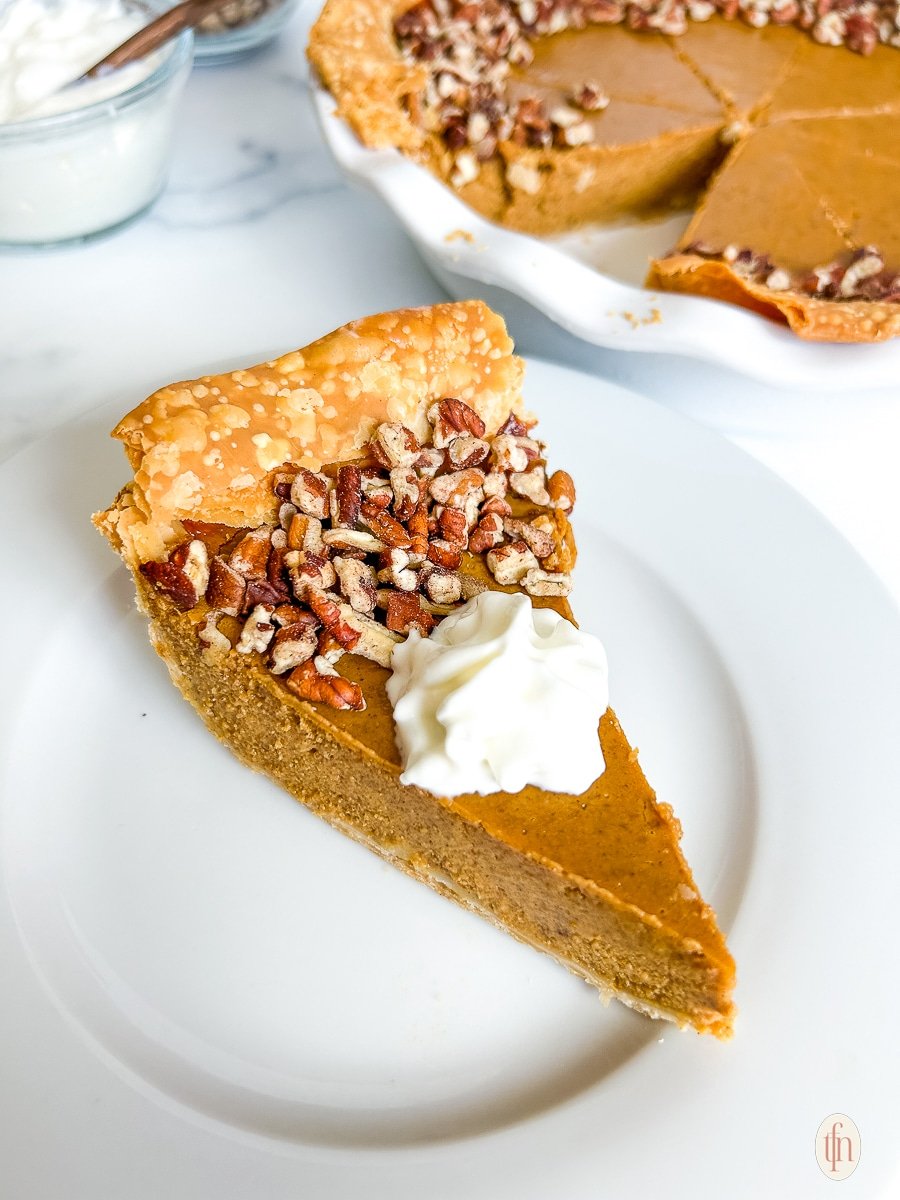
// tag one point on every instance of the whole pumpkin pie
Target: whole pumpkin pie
(547, 116)
(290, 526)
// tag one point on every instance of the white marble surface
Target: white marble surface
(258, 246)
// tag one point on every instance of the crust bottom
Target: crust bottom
(815, 320)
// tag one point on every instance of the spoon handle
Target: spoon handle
(160, 30)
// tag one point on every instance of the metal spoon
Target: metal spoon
(160, 30)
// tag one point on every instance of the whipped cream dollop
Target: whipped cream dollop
(45, 44)
(499, 696)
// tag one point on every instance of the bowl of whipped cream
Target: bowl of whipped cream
(78, 159)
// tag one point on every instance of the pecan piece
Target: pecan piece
(169, 579)
(561, 490)
(304, 568)
(487, 534)
(226, 589)
(375, 642)
(514, 425)
(451, 418)
(429, 462)
(531, 484)
(384, 526)
(538, 582)
(318, 682)
(193, 558)
(453, 527)
(250, 557)
(292, 646)
(396, 570)
(443, 554)
(258, 631)
(418, 534)
(332, 613)
(309, 492)
(394, 445)
(510, 563)
(352, 539)
(357, 582)
(495, 484)
(454, 489)
(405, 612)
(443, 587)
(305, 533)
(215, 645)
(496, 504)
(405, 491)
(465, 451)
(261, 591)
(347, 496)
(538, 540)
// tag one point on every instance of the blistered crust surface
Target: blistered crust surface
(807, 316)
(206, 448)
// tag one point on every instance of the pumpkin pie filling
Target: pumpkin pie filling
(548, 116)
(277, 590)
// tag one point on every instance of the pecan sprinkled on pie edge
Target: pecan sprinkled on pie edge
(863, 276)
(469, 48)
(367, 551)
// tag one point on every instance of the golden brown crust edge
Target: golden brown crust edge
(352, 47)
(808, 317)
(213, 443)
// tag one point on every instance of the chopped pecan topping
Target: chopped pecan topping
(226, 589)
(442, 554)
(305, 568)
(384, 526)
(172, 582)
(442, 586)
(258, 631)
(455, 489)
(309, 492)
(861, 276)
(292, 646)
(215, 645)
(561, 490)
(394, 445)
(384, 535)
(510, 563)
(451, 419)
(331, 614)
(531, 484)
(320, 683)
(488, 533)
(193, 558)
(357, 582)
(305, 533)
(405, 612)
(250, 557)
(347, 496)
(538, 540)
(538, 582)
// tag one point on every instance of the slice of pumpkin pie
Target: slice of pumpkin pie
(355, 564)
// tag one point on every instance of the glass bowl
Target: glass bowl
(243, 26)
(71, 176)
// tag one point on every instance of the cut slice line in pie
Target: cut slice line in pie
(289, 524)
(549, 117)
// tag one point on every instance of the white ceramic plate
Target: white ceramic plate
(590, 282)
(209, 993)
